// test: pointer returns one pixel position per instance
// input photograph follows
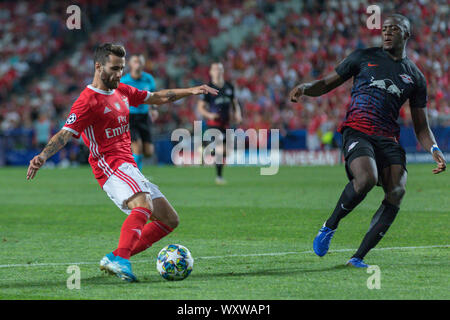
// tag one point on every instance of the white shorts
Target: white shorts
(125, 182)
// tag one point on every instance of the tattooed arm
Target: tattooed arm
(171, 95)
(56, 143)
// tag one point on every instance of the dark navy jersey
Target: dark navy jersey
(381, 86)
(220, 104)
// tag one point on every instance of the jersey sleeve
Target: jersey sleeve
(350, 66)
(79, 117)
(419, 97)
(135, 96)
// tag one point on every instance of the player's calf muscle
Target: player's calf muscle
(172, 220)
(165, 213)
(160, 208)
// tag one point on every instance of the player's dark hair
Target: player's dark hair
(103, 51)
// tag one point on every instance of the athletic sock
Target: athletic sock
(131, 231)
(379, 225)
(347, 202)
(219, 168)
(138, 160)
(153, 232)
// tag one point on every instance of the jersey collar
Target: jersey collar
(392, 59)
(108, 93)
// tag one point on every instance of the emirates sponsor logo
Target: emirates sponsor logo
(114, 132)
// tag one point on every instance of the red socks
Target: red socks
(136, 235)
(131, 231)
(152, 232)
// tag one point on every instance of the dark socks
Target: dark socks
(347, 202)
(379, 225)
(219, 168)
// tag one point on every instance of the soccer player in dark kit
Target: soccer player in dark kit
(220, 111)
(383, 79)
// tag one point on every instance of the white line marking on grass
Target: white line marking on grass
(221, 257)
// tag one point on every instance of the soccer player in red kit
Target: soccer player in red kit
(101, 116)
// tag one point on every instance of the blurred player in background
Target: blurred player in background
(101, 116)
(384, 78)
(219, 111)
(141, 116)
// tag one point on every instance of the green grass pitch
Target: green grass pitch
(251, 239)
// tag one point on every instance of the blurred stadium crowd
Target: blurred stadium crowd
(266, 46)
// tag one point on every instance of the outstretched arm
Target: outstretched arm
(171, 95)
(426, 137)
(56, 143)
(316, 88)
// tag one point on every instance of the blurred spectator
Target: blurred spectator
(42, 131)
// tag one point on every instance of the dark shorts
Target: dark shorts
(223, 137)
(140, 127)
(385, 151)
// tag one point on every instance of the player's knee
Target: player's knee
(396, 194)
(172, 220)
(141, 200)
(365, 183)
(175, 222)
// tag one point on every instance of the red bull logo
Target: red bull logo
(386, 84)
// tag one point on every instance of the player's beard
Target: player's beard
(107, 80)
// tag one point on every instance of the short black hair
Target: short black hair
(103, 51)
(405, 21)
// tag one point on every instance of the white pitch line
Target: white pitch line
(221, 257)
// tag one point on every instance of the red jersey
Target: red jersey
(102, 119)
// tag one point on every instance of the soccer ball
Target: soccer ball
(174, 262)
